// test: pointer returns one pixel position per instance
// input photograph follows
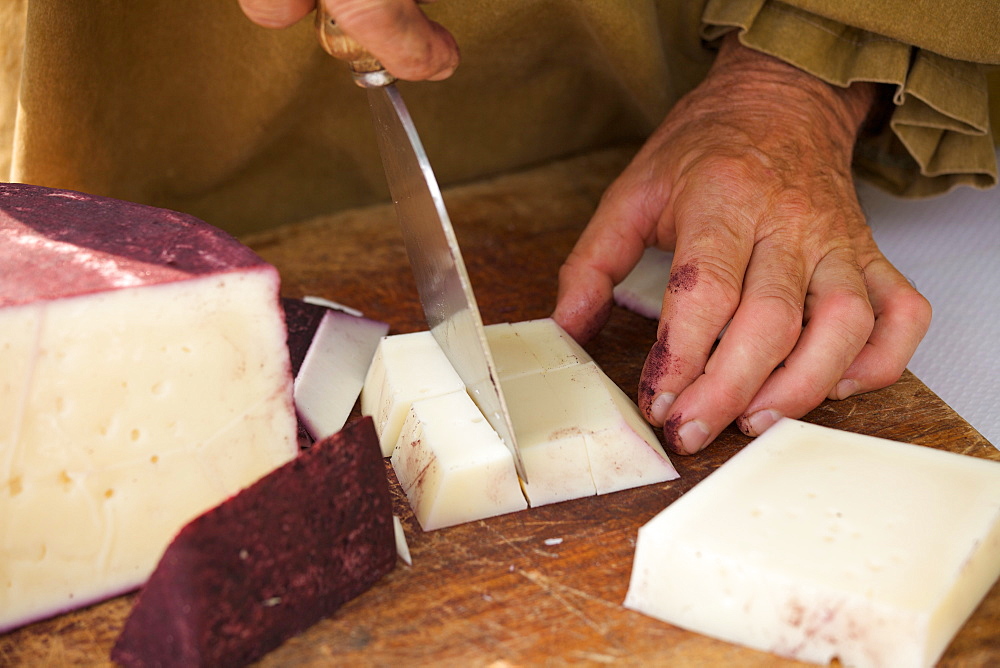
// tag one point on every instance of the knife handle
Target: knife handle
(365, 68)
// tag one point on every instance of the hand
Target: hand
(748, 181)
(408, 44)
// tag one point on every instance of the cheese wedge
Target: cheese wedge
(815, 543)
(144, 377)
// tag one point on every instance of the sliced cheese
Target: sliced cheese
(815, 543)
(144, 377)
(334, 369)
(452, 465)
(405, 368)
(577, 432)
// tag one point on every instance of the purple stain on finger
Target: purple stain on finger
(659, 363)
(671, 438)
(683, 278)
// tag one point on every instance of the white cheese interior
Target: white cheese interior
(333, 371)
(815, 543)
(577, 432)
(452, 465)
(532, 346)
(123, 415)
(406, 367)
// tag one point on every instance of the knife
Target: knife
(435, 257)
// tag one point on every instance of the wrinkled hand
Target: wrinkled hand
(748, 181)
(408, 44)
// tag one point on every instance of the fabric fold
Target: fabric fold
(937, 134)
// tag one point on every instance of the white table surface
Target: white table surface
(949, 248)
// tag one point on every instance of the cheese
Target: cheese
(405, 368)
(641, 291)
(577, 432)
(334, 369)
(580, 435)
(814, 543)
(268, 563)
(532, 346)
(144, 377)
(452, 465)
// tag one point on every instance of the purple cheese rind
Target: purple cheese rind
(301, 320)
(61, 243)
(270, 562)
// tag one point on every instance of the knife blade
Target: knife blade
(439, 270)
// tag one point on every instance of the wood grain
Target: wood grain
(543, 586)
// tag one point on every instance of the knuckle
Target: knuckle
(883, 375)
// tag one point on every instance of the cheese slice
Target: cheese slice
(815, 543)
(333, 370)
(144, 378)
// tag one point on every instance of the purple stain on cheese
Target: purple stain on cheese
(51, 239)
(683, 279)
(269, 562)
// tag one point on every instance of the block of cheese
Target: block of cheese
(814, 543)
(405, 368)
(552, 444)
(144, 377)
(269, 562)
(452, 465)
(577, 432)
(580, 435)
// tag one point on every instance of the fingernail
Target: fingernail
(660, 408)
(757, 423)
(692, 436)
(846, 388)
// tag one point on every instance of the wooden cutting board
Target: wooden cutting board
(544, 585)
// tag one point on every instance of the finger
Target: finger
(764, 329)
(711, 252)
(606, 251)
(902, 317)
(840, 321)
(276, 13)
(408, 44)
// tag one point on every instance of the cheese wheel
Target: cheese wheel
(144, 377)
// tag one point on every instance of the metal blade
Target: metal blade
(442, 280)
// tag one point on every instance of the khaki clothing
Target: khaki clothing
(186, 104)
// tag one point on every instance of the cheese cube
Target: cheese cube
(144, 378)
(552, 444)
(578, 434)
(814, 543)
(452, 465)
(621, 446)
(406, 367)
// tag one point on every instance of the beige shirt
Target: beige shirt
(186, 104)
